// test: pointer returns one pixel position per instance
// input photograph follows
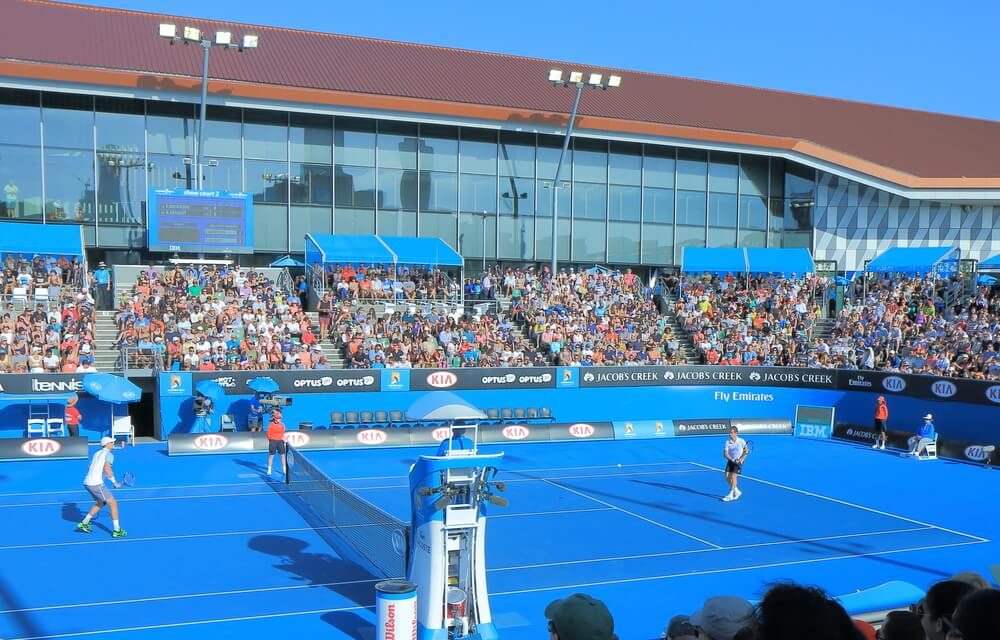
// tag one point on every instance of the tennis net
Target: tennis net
(353, 526)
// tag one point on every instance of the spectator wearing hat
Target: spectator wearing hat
(977, 617)
(580, 617)
(722, 617)
(102, 286)
(924, 437)
(680, 628)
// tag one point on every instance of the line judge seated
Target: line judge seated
(925, 436)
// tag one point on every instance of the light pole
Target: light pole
(596, 81)
(222, 39)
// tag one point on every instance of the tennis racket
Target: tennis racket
(128, 479)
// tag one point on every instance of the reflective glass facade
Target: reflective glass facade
(89, 160)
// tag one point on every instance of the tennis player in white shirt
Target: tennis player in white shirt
(735, 452)
(100, 468)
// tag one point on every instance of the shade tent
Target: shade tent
(395, 250)
(422, 251)
(29, 239)
(713, 260)
(746, 261)
(990, 264)
(916, 260)
(287, 261)
(784, 261)
(444, 405)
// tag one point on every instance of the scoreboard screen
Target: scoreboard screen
(190, 221)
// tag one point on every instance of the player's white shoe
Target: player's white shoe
(737, 493)
(882, 446)
(875, 446)
(729, 497)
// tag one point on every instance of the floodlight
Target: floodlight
(614, 81)
(224, 38)
(168, 30)
(250, 42)
(192, 33)
(555, 75)
(576, 76)
(595, 79)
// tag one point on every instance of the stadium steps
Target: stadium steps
(106, 356)
(330, 350)
(688, 351)
(824, 327)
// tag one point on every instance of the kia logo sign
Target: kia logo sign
(296, 438)
(977, 453)
(372, 436)
(993, 393)
(40, 447)
(582, 430)
(442, 379)
(944, 389)
(894, 384)
(211, 442)
(441, 433)
(516, 432)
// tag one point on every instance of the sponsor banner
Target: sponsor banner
(866, 435)
(177, 383)
(920, 386)
(643, 429)
(788, 377)
(27, 383)
(514, 433)
(290, 382)
(701, 427)
(42, 448)
(568, 377)
(395, 379)
(200, 443)
(472, 378)
(762, 426)
(981, 453)
(371, 438)
(621, 376)
(581, 431)
(814, 422)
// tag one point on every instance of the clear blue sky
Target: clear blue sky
(932, 55)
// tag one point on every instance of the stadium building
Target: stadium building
(346, 135)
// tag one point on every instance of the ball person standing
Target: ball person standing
(276, 442)
(881, 415)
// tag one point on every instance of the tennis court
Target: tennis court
(214, 550)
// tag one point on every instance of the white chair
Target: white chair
(122, 426)
(55, 427)
(228, 423)
(36, 427)
(930, 450)
(390, 309)
(42, 295)
(21, 295)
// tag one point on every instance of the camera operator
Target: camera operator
(203, 408)
(255, 421)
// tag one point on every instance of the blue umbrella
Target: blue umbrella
(443, 405)
(111, 388)
(210, 389)
(263, 385)
(287, 261)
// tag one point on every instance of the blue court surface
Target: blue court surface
(215, 552)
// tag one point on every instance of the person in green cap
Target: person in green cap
(580, 617)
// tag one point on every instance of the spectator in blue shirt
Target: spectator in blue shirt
(924, 437)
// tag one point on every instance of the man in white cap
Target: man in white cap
(924, 437)
(722, 617)
(100, 468)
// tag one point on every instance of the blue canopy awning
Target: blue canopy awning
(426, 251)
(916, 260)
(990, 264)
(713, 260)
(335, 249)
(44, 239)
(784, 261)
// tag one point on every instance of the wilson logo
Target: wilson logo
(372, 436)
(296, 438)
(516, 432)
(211, 442)
(894, 384)
(944, 389)
(40, 447)
(441, 433)
(442, 379)
(582, 430)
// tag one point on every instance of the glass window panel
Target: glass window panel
(517, 196)
(589, 241)
(719, 237)
(753, 176)
(724, 172)
(121, 184)
(310, 138)
(265, 134)
(354, 187)
(543, 239)
(478, 151)
(776, 222)
(224, 174)
(21, 180)
(121, 133)
(798, 215)
(657, 244)
(722, 210)
(439, 225)
(691, 207)
(777, 176)
(397, 189)
(21, 116)
(166, 171)
(626, 203)
(270, 228)
(753, 213)
(517, 238)
(170, 128)
(623, 242)
(354, 222)
(354, 139)
(549, 148)
(590, 201)
(438, 192)
(223, 132)
(397, 145)
(797, 239)
(800, 181)
(688, 237)
(268, 181)
(625, 163)
(396, 223)
(517, 154)
(753, 238)
(69, 128)
(479, 193)
(69, 185)
(303, 220)
(658, 205)
(312, 184)
(544, 200)
(438, 148)
(590, 160)
(692, 169)
(474, 230)
(658, 166)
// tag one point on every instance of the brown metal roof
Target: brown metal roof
(933, 149)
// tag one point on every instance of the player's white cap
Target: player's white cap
(928, 417)
(106, 440)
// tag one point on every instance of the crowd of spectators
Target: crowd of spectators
(215, 318)
(372, 283)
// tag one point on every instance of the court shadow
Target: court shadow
(20, 615)
(677, 487)
(350, 624)
(71, 512)
(253, 466)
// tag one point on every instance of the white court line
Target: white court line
(187, 497)
(635, 515)
(596, 475)
(498, 594)
(547, 513)
(851, 504)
